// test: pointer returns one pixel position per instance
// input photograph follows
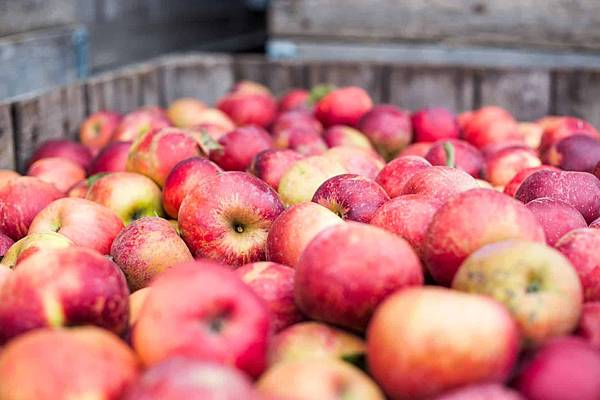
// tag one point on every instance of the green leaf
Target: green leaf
(318, 92)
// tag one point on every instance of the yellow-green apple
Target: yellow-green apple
(294, 119)
(136, 302)
(481, 391)
(310, 339)
(513, 185)
(294, 228)
(556, 217)
(537, 284)
(214, 116)
(557, 128)
(416, 149)
(224, 322)
(227, 218)
(21, 199)
(471, 220)
(351, 197)
(578, 189)
(145, 248)
(398, 172)
(249, 108)
(356, 160)
(183, 178)
(31, 244)
(388, 128)
(97, 130)
(465, 156)
(274, 283)
(489, 125)
(7, 175)
(323, 379)
(575, 153)
(140, 122)
(331, 282)
(130, 195)
(75, 363)
(589, 323)
(86, 223)
(341, 135)
(238, 147)
(183, 378)
(112, 158)
(5, 244)
(424, 341)
(409, 217)
(183, 112)
(580, 246)
(63, 287)
(532, 133)
(502, 166)
(270, 165)
(303, 178)
(62, 173)
(295, 99)
(564, 369)
(440, 182)
(64, 148)
(343, 106)
(433, 124)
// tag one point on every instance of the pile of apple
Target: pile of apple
(312, 248)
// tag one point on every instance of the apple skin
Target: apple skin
(7, 175)
(274, 284)
(139, 122)
(5, 244)
(564, 369)
(388, 128)
(147, 247)
(60, 172)
(398, 172)
(306, 142)
(86, 223)
(556, 217)
(295, 99)
(239, 147)
(97, 130)
(228, 218)
(469, 221)
(129, 195)
(416, 149)
(112, 158)
(501, 167)
(467, 157)
(440, 182)
(183, 112)
(213, 117)
(203, 324)
(535, 282)
(21, 199)
(31, 244)
(589, 324)
(181, 378)
(76, 363)
(250, 87)
(294, 119)
(183, 178)
(513, 185)
(293, 230)
(482, 391)
(350, 196)
(557, 128)
(580, 190)
(270, 165)
(343, 106)
(331, 284)
(489, 125)
(575, 153)
(136, 302)
(433, 124)
(341, 135)
(325, 379)
(64, 148)
(409, 217)
(62, 287)
(249, 108)
(422, 342)
(532, 133)
(357, 161)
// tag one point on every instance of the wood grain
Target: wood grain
(7, 145)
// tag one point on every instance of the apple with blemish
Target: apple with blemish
(31, 244)
(271, 164)
(388, 128)
(112, 158)
(440, 182)
(139, 122)
(341, 135)
(465, 157)
(97, 130)
(556, 217)
(502, 166)
(433, 124)
(395, 174)
(60, 172)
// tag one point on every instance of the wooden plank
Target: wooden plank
(253, 68)
(7, 145)
(74, 109)
(119, 91)
(525, 93)
(25, 15)
(150, 89)
(578, 93)
(414, 87)
(286, 75)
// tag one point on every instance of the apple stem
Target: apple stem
(449, 150)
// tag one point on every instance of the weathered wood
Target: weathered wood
(251, 67)
(367, 75)
(578, 93)
(74, 109)
(7, 145)
(119, 91)
(286, 75)
(25, 15)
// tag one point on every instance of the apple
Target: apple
(482, 391)
(440, 182)
(332, 283)
(136, 302)
(31, 244)
(398, 172)
(388, 128)
(228, 218)
(341, 135)
(62, 287)
(589, 323)
(409, 217)
(564, 369)
(274, 284)
(502, 166)
(112, 158)
(433, 124)
(357, 161)
(294, 228)
(81, 188)
(317, 379)
(465, 156)
(224, 322)
(213, 117)
(182, 378)
(294, 119)
(249, 108)
(21, 199)
(238, 147)
(77, 363)
(183, 112)
(271, 164)
(575, 153)
(305, 142)
(147, 247)
(351, 197)
(557, 128)
(250, 87)
(139, 122)
(469, 221)
(213, 131)
(343, 106)
(129, 195)
(513, 185)
(556, 217)
(489, 125)
(7, 175)
(97, 130)
(532, 133)
(294, 99)
(60, 172)
(64, 148)
(5, 244)
(464, 118)
(424, 341)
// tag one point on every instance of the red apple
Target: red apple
(238, 148)
(214, 116)
(440, 182)
(213, 131)
(575, 153)
(139, 122)
(305, 142)
(31, 244)
(60, 172)
(136, 302)
(250, 87)
(513, 185)
(589, 324)
(7, 175)
(112, 158)
(294, 119)
(532, 133)
(64, 148)
(5, 244)
(465, 156)
(270, 165)
(556, 217)
(183, 112)
(81, 188)
(388, 128)
(433, 124)
(489, 125)
(343, 106)
(482, 391)
(249, 108)
(416, 149)
(97, 130)
(341, 135)
(557, 128)
(501, 167)
(357, 161)
(398, 172)
(295, 99)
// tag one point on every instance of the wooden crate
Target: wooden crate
(528, 93)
